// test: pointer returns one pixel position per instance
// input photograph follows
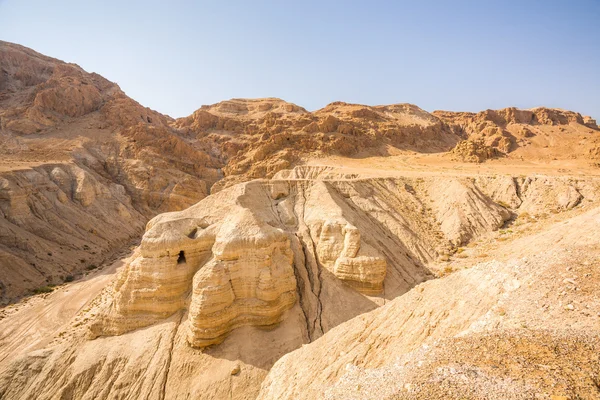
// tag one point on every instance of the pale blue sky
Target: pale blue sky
(174, 56)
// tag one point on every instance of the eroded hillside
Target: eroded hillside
(257, 138)
(263, 268)
(351, 252)
(524, 327)
(82, 169)
(74, 145)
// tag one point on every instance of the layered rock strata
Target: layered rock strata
(261, 268)
(82, 168)
(231, 264)
(250, 253)
(57, 220)
(52, 112)
(234, 272)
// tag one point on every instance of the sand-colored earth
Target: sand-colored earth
(257, 250)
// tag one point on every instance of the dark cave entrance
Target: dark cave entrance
(181, 258)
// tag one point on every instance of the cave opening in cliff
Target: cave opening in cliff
(192, 234)
(181, 258)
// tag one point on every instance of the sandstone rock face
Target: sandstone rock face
(465, 211)
(223, 286)
(543, 194)
(232, 265)
(249, 281)
(492, 133)
(590, 122)
(52, 112)
(473, 151)
(39, 92)
(258, 138)
(337, 250)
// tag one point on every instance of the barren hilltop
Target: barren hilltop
(257, 250)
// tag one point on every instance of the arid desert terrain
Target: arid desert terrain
(257, 250)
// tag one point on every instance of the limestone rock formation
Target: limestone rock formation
(57, 220)
(479, 333)
(300, 265)
(473, 151)
(268, 138)
(513, 131)
(52, 112)
(464, 211)
(250, 281)
(590, 122)
(337, 250)
(247, 254)
(234, 265)
(238, 271)
(433, 255)
(256, 138)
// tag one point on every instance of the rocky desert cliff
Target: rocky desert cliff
(83, 168)
(257, 250)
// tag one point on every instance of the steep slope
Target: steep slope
(256, 271)
(523, 328)
(334, 267)
(82, 167)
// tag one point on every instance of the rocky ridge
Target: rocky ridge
(257, 138)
